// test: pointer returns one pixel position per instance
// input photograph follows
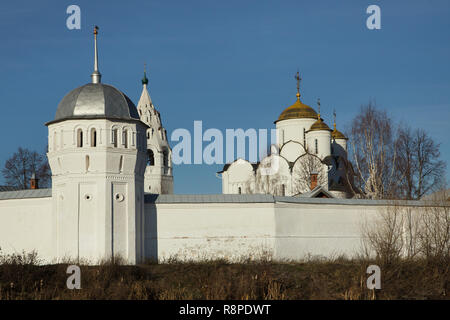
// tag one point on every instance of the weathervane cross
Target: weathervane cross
(297, 77)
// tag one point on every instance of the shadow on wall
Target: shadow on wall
(150, 228)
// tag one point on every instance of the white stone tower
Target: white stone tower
(158, 176)
(97, 155)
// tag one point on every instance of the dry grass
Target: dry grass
(22, 278)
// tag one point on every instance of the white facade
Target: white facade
(158, 176)
(97, 187)
(305, 146)
(205, 227)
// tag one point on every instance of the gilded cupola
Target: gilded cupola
(298, 110)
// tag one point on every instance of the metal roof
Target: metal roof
(8, 188)
(96, 100)
(208, 198)
(26, 194)
(227, 198)
(266, 198)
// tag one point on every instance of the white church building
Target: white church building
(112, 186)
(308, 158)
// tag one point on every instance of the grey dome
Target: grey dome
(96, 100)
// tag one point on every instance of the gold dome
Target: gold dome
(319, 125)
(297, 111)
(335, 134)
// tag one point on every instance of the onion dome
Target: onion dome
(319, 125)
(298, 110)
(335, 134)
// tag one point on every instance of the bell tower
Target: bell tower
(158, 176)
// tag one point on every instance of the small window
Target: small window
(80, 138)
(239, 190)
(316, 146)
(165, 158)
(93, 137)
(283, 190)
(114, 138)
(125, 138)
(150, 158)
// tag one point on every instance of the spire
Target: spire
(297, 77)
(96, 75)
(144, 79)
(318, 107)
(334, 119)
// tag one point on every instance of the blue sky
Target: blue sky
(228, 63)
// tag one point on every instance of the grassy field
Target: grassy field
(22, 278)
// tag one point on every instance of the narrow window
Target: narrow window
(239, 190)
(304, 138)
(165, 158)
(121, 164)
(125, 138)
(317, 146)
(283, 190)
(150, 158)
(80, 138)
(114, 138)
(87, 163)
(93, 137)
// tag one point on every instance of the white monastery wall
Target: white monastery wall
(27, 225)
(198, 231)
(201, 227)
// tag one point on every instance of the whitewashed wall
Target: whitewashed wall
(280, 230)
(202, 231)
(27, 225)
(235, 227)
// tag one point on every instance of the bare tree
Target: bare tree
(434, 228)
(399, 230)
(373, 152)
(22, 164)
(384, 234)
(268, 183)
(302, 170)
(418, 167)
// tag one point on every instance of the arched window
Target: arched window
(125, 138)
(80, 138)
(239, 190)
(114, 138)
(93, 137)
(316, 146)
(165, 158)
(150, 158)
